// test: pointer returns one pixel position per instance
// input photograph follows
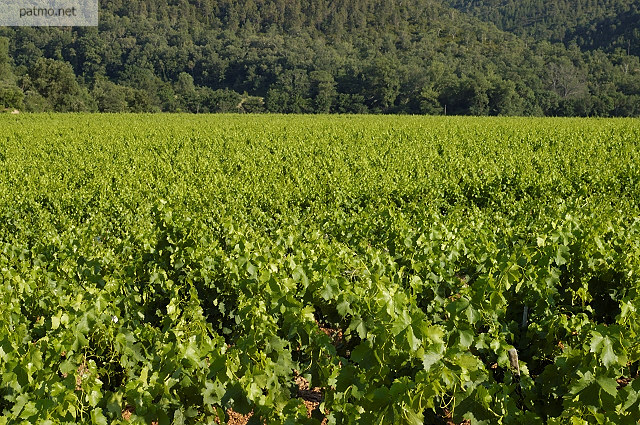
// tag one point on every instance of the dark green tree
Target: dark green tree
(110, 97)
(55, 81)
(382, 83)
(323, 91)
(188, 99)
(11, 96)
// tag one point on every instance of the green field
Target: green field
(191, 269)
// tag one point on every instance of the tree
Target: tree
(350, 104)
(504, 99)
(382, 83)
(323, 91)
(290, 94)
(186, 92)
(6, 73)
(11, 96)
(429, 103)
(167, 97)
(109, 96)
(251, 104)
(465, 96)
(222, 100)
(89, 49)
(55, 81)
(566, 79)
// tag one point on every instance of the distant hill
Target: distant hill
(591, 24)
(326, 56)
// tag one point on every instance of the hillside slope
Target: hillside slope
(591, 24)
(347, 56)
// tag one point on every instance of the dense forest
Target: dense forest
(493, 57)
(591, 24)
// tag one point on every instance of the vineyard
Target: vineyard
(184, 269)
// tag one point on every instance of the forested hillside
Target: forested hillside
(591, 24)
(320, 56)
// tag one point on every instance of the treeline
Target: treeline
(315, 56)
